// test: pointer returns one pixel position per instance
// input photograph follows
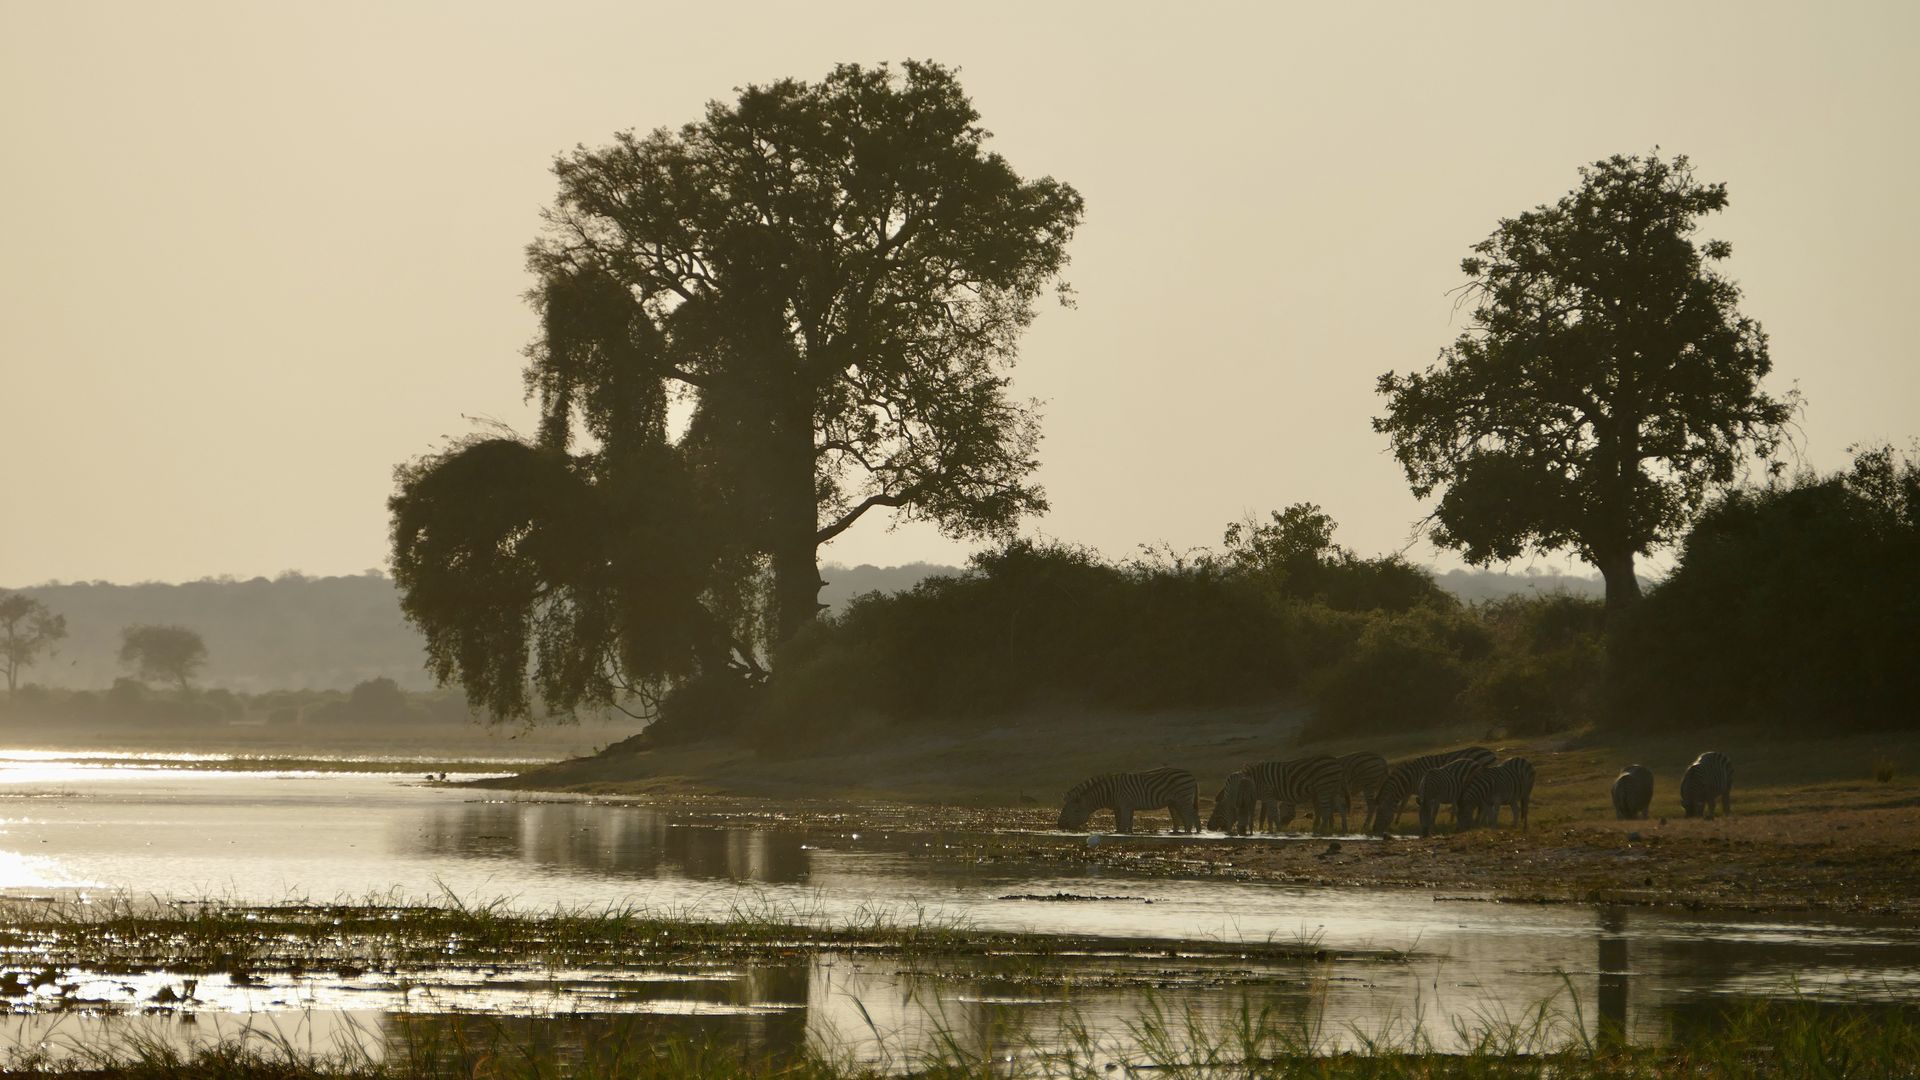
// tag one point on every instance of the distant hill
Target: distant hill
(328, 633)
(1476, 585)
(295, 632)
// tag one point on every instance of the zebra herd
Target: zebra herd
(1473, 782)
(1467, 780)
(1707, 781)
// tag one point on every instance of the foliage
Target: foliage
(1607, 383)
(1293, 556)
(1797, 603)
(172, 653)
(1548, 662)
(27, 629)
(1044, 625)
(579, 578)
(1405, 672)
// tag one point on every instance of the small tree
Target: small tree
(1605, 387)
(170, 653)
(27, 629)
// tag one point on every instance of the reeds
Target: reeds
(1547, 1041)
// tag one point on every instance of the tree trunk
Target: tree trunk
(796, 524)
(1623, 586)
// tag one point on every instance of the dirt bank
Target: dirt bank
(1818, 824)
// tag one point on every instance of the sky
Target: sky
(254, 255)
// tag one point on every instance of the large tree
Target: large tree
(832, 277)
(1605, 385)
(27, 629)
(173, 653)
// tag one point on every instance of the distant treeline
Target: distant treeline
(296, 632)
(132, 703)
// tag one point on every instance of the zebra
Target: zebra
(1286, 784)
(1632, 792)
(1123, 793)
(1445, 786)
(1404, 780)
(1363, 772)
(1233, 807)
(1509, 783)
(1710, 777)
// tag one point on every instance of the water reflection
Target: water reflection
(1613, 976)
(620, 842)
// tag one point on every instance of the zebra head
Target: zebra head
(1220, 817)
(1075, 814)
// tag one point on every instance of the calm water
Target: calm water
(184, 827)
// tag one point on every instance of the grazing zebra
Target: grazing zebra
(1710, 777)
(1632, 792)
(1284, 785)
(1404, 780)
(1362, 772)
(1509, 783)
(1123, 793)
(1233, 807)
(1444, 786)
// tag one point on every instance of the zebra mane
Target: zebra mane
(1084, 786)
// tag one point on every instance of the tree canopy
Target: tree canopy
(171, 653)
(1606, 383)
(27, 629)
(831, 278)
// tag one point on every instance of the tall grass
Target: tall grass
(1549, 1040)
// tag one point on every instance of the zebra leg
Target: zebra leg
(1123, 819)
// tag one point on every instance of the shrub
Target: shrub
(1404, 672)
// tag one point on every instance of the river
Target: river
(203, 827)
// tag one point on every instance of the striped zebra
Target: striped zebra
(1632, 792)
(1233, 807)
(1404, 780)
(1509, 783)
(1123, 793)
(1284, 785)
(1709, 778)
(1445, 786)
(1363, 772)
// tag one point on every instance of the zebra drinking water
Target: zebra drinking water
(1709, 778)
(1123, 793)
(1509, 783)
(1444, 786)
(1404, 780)
(1632, 792)
(1284, 785)
(1363, 772)
(1233, 807)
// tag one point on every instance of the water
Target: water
(191, 828)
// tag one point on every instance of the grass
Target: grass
(1784, 1039)
(127, 935)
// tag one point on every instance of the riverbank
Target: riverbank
(1827, 824)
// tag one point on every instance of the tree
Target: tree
(173, 653)
(834, 276)
(1606, 385)
(27, 629)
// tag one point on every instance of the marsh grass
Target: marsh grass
(1548, 1040)
(124, 934)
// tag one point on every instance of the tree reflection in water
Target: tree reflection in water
(615, 841)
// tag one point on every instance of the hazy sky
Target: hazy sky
(254, 254)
